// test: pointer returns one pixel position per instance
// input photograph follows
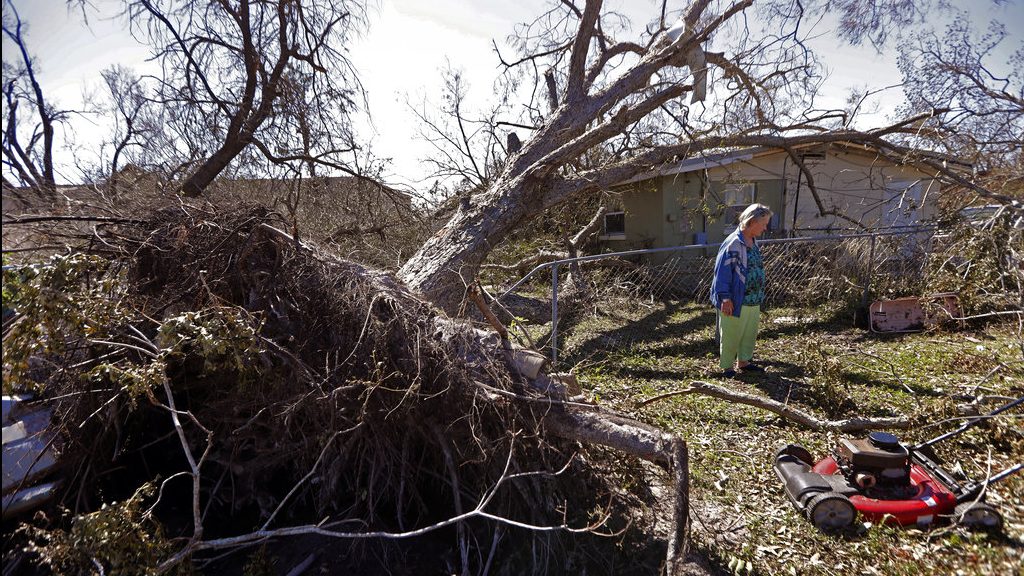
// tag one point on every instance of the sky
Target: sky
(400, 57)
(407, 46)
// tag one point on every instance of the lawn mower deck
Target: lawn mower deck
(886, 481)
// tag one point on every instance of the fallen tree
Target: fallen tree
(247, 389)
(700, 79)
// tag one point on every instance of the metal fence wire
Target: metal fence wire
(800, 272)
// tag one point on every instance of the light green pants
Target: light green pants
(738, 335)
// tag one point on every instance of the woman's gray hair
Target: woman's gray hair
(753, 212)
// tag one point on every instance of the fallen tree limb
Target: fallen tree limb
(678, 541)
(647, 442)
(478, 299)
(61, 218)
(787, 412)
(394, 368)
(196, 544)
(623, 434)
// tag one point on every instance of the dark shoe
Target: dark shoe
(752, 367)
(730, 373)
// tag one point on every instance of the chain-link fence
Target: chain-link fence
(800, 272)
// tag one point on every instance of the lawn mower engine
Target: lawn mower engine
(879, 466)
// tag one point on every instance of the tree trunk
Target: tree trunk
(201, 178)
(449, 260)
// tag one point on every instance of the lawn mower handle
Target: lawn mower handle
(970, 423)
(1009, 471)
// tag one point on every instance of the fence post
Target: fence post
(554, 314)
(871, 269)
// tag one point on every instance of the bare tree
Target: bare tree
(231, 71)
(128, 107)
(466, 144)
(30, 118)
(875, 20)
(984, 98)
(607, 109)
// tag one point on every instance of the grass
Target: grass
(818, 362)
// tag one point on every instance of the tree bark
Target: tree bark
(201, 178)
(448, 261)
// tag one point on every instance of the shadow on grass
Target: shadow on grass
(655, 327)
(783, 382)
(663, 334)
(793, 375)
(860, 379)
(773, 330)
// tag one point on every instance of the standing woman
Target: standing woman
(737, 290)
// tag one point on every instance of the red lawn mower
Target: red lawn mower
(887, 481)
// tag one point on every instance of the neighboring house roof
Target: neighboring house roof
(345, 192)
(716, 159)
(331, 206)
(131, 183)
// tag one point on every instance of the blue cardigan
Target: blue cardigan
(730, 279)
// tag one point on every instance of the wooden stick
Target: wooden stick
(678, 541)
(477, 299)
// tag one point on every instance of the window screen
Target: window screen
(615, 223)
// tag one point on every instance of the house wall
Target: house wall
(671, 210)
(684, 217)
(864, 187)
(870, 191)
(643, 205)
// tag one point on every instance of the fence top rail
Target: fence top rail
(819, 238)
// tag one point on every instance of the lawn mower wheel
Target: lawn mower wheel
(831, 511)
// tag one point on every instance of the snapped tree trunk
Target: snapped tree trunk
(449, 260)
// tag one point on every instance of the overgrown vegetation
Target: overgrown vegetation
(121, 538)
(980, 261)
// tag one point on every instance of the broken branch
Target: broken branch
(787, 412)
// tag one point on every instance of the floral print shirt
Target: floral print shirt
(754, 292)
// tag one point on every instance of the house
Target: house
(698, 200)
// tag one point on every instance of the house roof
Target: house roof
(717, 159)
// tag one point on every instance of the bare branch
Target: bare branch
(787, 412)
(580, 50)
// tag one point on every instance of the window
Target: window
(736, 198)
(812, 158)
(615, 225)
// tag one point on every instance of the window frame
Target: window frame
(606, 235)
(740, 188)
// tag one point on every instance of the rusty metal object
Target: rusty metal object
(913, 313)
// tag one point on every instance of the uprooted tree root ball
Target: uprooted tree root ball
(313, 395)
